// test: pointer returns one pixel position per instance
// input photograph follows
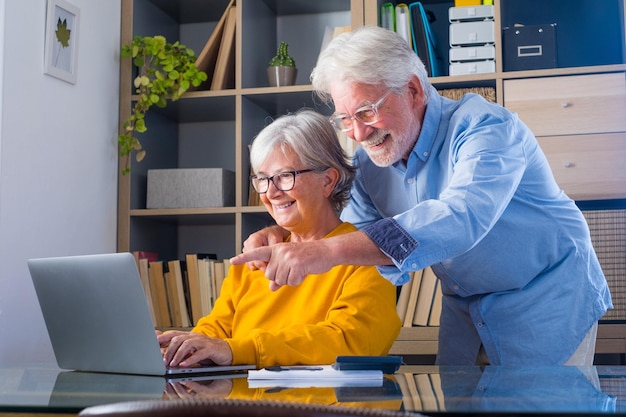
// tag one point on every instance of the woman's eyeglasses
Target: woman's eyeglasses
(368, 115)
(283, 181)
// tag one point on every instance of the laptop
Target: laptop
(98, 319)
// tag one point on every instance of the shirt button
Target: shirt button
(410, 181)
(425, 154)
(480, 324)
(414, 266)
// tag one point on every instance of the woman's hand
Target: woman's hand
(185, 349)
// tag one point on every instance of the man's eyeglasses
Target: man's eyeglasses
(368, 115)
(283, 181)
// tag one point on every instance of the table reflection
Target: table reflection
(564, 389)
(422, 389)
(386, 395)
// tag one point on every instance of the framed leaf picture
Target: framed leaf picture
(61, 49)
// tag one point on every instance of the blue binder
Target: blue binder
(424, 42)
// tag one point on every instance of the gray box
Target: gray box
(190, 188)
(472, 53)
(473, 67)
(464, 13)
(472, 33)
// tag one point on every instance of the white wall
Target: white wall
(58, 164)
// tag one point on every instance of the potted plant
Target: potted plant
(282, 68)
(165, 72)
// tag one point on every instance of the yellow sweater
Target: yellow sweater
(350, 310)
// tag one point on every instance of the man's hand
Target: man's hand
(264, 237)
(187, 349)
(289, 263)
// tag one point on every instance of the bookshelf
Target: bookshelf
(212, 128)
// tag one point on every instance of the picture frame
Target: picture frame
(61, 48)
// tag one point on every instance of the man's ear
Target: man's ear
(416, 90)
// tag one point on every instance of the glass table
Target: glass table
(428, 390)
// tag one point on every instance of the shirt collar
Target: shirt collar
(430, 126)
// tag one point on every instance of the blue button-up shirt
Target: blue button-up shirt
(476, 200)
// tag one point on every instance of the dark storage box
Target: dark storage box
(529, 47)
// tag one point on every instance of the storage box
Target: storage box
(190, 188)
(472, 53)
(461, 3)
(472, 33)
(529, 47)
(456, 14)
(474, 67)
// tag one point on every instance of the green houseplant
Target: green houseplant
(282, 68)
(165, 72)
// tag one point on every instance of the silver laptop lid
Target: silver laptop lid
(96, 313)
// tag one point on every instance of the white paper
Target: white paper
(314, 383)
(322, 372)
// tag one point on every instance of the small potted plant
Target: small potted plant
(282, 68)
(165, 72)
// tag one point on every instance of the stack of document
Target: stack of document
(312, 376)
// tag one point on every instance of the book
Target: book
(412, 304)
(176, 294)
(426, 392)
(425, 298)
(388, 16)
(410, 397)
(435, 311)
(171, 292)
(403, 299)
(403, 23)
(144, 275)
(193, 282)
(224, 74)
(159, 294)
(435, 382)
(142, 254)
(208, 56)
(424, 42)
(205, 275)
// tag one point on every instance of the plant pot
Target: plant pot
(281, 76)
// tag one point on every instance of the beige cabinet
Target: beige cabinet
(588, 167)
(580, 122)
(569, 105)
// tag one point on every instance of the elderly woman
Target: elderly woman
(304, 179)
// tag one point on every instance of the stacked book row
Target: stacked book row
(419, 301)
(413, 23)
(180, 292)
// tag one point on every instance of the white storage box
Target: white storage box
(190, 188)
(472, 33)
(472, 53)
(456, 14)
(474, 67)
